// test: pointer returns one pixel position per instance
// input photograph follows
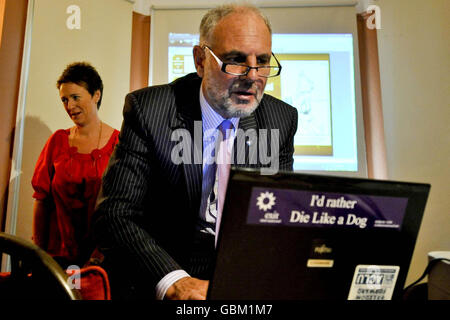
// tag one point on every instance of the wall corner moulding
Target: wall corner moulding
(366, 5)
(142, 6)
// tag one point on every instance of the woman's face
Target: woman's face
(80, 105)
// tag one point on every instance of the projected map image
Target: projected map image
(305, 84)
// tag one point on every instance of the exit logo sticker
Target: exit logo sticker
(298, 208)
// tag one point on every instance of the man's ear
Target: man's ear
(199, 60)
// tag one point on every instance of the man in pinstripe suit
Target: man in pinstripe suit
(157, 237)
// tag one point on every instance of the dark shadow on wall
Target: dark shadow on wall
(36, 134)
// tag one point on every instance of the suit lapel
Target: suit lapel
(189, 117)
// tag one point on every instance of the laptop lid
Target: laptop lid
(295, 236)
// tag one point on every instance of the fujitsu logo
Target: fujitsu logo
(322, 249)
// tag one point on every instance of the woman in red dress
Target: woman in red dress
(68, 173)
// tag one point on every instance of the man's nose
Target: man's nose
(252, 74)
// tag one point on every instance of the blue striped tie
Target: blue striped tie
(210, 181)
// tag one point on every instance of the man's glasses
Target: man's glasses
(242, 70)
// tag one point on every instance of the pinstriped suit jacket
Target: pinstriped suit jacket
(148, 206)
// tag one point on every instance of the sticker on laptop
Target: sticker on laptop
(371, 282)
(298, 208)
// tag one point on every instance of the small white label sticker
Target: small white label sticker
(320, 263)
(372, 282)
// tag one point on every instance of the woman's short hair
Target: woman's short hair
(85, 75)
(213, 16)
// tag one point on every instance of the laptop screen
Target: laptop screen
(301, 237)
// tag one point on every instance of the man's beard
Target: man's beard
(224, 103)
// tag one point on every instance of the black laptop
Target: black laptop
(294, 236)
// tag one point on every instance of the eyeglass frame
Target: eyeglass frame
(223, 65)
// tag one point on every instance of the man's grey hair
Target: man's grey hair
(213, 16)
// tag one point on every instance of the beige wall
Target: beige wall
(103, 40)
(414, 51)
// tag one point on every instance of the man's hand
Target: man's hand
(188, 289)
